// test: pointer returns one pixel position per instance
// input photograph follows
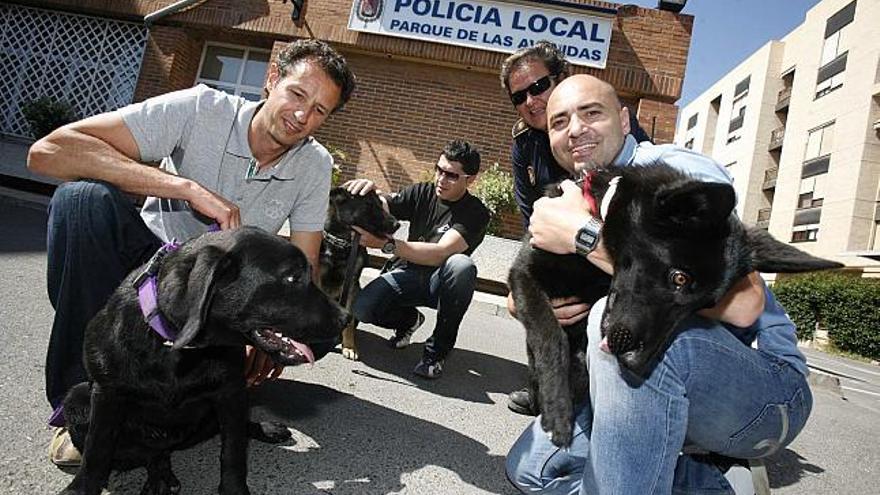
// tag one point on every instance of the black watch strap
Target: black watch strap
(587, 238)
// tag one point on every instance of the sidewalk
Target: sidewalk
(369, 426)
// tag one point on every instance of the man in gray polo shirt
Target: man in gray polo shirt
(222, 160)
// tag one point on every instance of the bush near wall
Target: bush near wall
(495, 188)
(44, 115)
(847, 306)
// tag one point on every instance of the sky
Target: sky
(726, 32)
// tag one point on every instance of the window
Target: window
(737, 117)
(805, 233)
(692, 121)
(742, 88)
(234, 69)
(812, 192)
(832, 62)
(820, 142)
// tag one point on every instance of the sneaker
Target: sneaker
(520, 402)
(429, 368)
(402, 337)
(62, 453)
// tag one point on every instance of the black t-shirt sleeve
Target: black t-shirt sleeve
(403, 204)
(471, 219)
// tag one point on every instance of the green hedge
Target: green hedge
(44, 115)
(495, 189)
(848, 307)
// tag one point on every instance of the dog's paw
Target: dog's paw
(169, 486)
(268, 432)
(350, 353)
(558, 429)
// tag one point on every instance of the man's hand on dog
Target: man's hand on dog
(568, 310)
(361, 187)
(555, 223)
(369, 240)
(259, 367)
(212, 205)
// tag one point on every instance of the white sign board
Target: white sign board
(582, 36)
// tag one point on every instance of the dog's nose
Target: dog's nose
(620, 339)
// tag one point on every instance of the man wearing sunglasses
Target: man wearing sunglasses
(529, 76)
(432, 267)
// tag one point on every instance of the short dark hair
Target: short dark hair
(464, 153)
(328, 59)
(542, 51)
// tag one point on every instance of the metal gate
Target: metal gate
(88, 62)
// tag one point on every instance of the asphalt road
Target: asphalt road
(370, 427)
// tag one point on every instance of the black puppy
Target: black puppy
(347, 210)
(677, 247)
(148, 396)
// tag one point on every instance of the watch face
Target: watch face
(587, 238)
(388, 248)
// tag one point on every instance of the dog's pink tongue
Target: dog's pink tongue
(305, 350)
(604, 345)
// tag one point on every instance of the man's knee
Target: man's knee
(518, 476)
(363, 308)
(72, 193)
(460, 268)
(86, 198)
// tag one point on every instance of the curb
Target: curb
(823, 380)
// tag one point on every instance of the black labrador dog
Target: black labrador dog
(347, 210)
(148, 396)
(677, 247)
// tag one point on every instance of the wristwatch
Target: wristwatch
(390, 247)
(587, 238)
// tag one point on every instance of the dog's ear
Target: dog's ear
(338, 194)
(199, 289)
(694, 205)
(772, 256)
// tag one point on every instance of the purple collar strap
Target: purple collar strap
(147, 285)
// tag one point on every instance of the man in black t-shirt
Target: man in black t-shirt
(432, 267)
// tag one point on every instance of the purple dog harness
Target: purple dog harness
(147, 285)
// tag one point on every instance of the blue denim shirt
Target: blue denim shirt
(774, 331)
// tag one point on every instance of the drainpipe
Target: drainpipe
(166, 11)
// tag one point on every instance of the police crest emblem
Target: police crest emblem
(369, 10)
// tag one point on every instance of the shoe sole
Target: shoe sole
(520, 409)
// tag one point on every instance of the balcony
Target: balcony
(783, 98)
(770, 178)
(763, 218)
(776, 138)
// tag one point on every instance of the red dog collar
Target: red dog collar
(588, 193)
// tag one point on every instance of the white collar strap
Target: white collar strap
(606, 199)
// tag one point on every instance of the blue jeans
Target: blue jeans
(390, 300)
(95, 238)
(708, 389)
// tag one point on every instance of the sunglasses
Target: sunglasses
(450, 176)
(534, 89)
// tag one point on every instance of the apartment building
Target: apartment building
(797, 124)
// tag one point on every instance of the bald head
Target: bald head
(586, 123)
(583, 87)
